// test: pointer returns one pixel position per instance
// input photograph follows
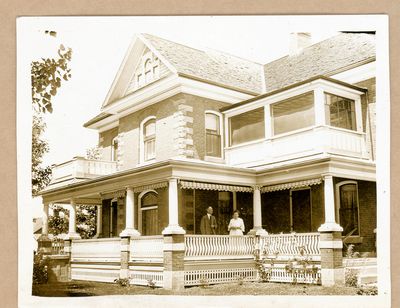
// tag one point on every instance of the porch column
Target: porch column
(99, 226)
(330, 243)
(44, 242)
(72, 235)
(257, 217)
(129, 214)
(173, 225)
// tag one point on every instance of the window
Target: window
(247, 126)
(348, 208)
(148, 71)
(149, 139)
(213, 135)
(149, 214)
(340, 112)
(114, 149)
(292, 114)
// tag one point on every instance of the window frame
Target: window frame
(221, 133)
(144, 139)
(328, 114)
(338, 202)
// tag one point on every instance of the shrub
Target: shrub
(151, 283)
(39, 269)
(123, 282)
(351, 277)
(351, 253)
(367, 290)
(203, 282)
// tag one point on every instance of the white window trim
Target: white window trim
(141, 139)
(337, 196)
(221, 133)
(141, 195)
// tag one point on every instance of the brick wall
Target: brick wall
(105, 139)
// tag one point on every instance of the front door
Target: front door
(301, 210)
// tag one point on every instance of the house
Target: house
(290, 144)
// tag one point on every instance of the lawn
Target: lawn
(85, 288)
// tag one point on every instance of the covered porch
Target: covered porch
(148, 231)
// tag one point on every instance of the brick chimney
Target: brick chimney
(299, 41)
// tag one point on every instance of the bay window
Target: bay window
(213, 134)
(247, 126)
(340, 112)
(293, 114)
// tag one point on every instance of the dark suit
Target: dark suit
(208, 225)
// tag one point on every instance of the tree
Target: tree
(93, 153)
(46, 77)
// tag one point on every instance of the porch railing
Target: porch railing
(221, 246)
(104, 249)
(286, 246)
(57, 246)
(147, 247)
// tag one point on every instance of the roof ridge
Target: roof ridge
(164, 39)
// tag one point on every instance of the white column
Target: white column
(99, 226)
(268, 121)
(72, 222)
(45, 218)
(257, 216)
(358, 112)
(130, 214)
(329, 206)
(173, 225)
(234, 200)
(319, 107)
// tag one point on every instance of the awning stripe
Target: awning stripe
(150, 186)
(297, 184)
(212, 186)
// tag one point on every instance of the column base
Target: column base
(131, 232)
(330, 227)
(173, 229)
(257, 231)
(73, 236)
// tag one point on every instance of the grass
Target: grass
(86, 288)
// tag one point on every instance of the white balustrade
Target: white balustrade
(219, 246)
(104, 249)
(80, 167)
(147, 247)
(312, 140)
(285, 246)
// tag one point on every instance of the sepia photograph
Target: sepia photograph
(172, 158)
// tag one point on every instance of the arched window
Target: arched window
(148, 213)
(149, 139)
(213, 134)
(347, 197)
(114, 149)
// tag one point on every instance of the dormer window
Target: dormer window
(149, 139)
(213, 134)
(340, 112)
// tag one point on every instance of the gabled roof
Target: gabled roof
(324, 58)
(213, 66)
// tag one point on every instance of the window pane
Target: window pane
(340, 112)
(293, 114)
(247, 126)
(349, 209)
(212, 122)
(150, 128)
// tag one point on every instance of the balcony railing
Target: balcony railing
(304, 142)
(80, 168)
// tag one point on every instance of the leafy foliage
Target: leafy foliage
(351, 277)
(123, 282)
(39, 269)
(351, 252)
(46, 77)
(58, 222)
(41, 176)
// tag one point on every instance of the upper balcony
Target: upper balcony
(80, 168)
(321, 115)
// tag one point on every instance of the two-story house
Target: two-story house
(290, 144)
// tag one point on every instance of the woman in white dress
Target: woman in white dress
(236, 225)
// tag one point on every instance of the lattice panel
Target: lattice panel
(142, 277)
(279, 274)
(213, 276)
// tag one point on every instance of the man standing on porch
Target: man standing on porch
(208, 223)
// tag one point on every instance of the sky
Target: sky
(99, 46)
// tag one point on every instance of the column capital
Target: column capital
(326, 176)
(257, 187)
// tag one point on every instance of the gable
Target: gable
(148, 70)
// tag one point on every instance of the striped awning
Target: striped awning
(150, 186)
(212, 186)
(291, 185)
(114, 194)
